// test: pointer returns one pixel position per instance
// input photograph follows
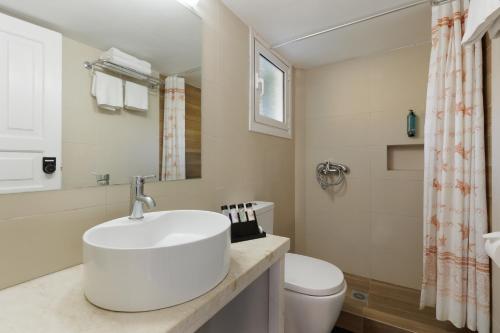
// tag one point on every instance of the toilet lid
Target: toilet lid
(311, 276)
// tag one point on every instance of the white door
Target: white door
(30, 106)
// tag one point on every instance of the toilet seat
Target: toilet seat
(311, 276)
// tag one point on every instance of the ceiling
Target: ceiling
(162, 32)
(278, 21)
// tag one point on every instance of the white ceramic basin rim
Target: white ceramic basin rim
(163, 260)
(157, 229)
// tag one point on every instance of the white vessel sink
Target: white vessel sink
(165, 259)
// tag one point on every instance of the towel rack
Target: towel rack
(106, 65)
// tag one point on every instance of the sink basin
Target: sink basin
(165, 259)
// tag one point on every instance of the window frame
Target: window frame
(257, 122)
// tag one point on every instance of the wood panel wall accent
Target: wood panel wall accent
(193, 129)
(193, 132)
(162, 120)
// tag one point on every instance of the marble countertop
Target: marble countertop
(55, 303)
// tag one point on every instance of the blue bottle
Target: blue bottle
(411, 124)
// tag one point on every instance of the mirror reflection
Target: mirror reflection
(131, 89)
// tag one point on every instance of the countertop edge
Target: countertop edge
(228, 294)
(55, 302)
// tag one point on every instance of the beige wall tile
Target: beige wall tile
(395, 232)
(398, 80)
(352, 111)
(36, 245)
(343, 93)
(117, 210)
(300, 157)
(120, 194)
(299, 123)
(39, 203)
(237, 165)
(341, 237)
(354, 195)
(396, 249)
(396, 196)
(343, 130)
(79, 108)
(78, 160)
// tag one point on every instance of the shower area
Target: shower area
(370, 223)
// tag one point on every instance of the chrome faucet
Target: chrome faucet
(138, 199)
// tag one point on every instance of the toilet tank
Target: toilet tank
(265, 215)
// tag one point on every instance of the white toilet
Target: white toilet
(314, 289)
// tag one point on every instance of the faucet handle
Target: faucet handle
(142, 179)
(145, 178)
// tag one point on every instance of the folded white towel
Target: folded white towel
(484, 15)
(114, 52)
(121, 58)
(136, 96)
(108, 91)
(130, 64)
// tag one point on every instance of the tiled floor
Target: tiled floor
(340, 330)
(349, 323)
(389, 309)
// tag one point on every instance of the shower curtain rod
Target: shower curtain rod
(364, 19)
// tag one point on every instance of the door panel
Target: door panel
(30, 105)
(20, 172)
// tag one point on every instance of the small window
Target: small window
(270, 92)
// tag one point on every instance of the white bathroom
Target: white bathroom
(235, 166)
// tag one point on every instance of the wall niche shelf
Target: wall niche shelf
(408, 157)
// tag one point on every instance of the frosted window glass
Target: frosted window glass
(272, 101)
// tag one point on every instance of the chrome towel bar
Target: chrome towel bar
(105, 65)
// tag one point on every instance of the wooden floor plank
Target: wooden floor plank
(394, 307)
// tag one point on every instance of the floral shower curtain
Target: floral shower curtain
(456, 267)
(174, 146)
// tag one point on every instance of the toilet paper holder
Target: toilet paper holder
(492, 246)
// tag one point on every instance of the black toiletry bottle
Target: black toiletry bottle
(234, 214)
(411, 124)
(241, 213)
(250, 212)
(225, 211)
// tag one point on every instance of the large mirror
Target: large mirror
(131, 87)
